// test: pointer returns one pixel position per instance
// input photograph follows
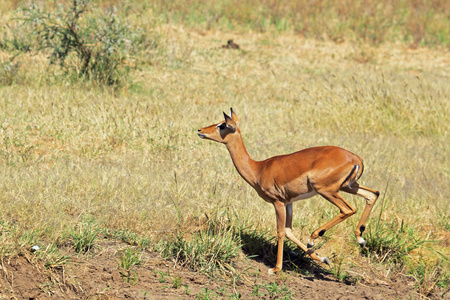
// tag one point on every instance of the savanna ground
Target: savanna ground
(123, 199)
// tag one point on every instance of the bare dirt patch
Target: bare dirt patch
(98, 276)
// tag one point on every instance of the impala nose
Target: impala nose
(199, 134)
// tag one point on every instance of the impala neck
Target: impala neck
(244, 164)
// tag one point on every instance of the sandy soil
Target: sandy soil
(97, 276)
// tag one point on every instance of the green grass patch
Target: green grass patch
(392, 241)
(85, 234)
(430, 277)
(208, 250)
(128, 259)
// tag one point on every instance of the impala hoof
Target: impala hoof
(325, 260)
(310, 244)
(273, 271)
(361, 242)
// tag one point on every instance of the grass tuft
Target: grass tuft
(213, 248)
(392, 241)
(85, 235)
(204, 251)
(431, 277)
(128, 259)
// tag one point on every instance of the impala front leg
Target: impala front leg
(281, 230)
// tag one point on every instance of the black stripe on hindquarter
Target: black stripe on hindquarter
(350, 175)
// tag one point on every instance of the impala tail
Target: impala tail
(354, 175)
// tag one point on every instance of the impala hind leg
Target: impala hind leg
(371, 197)
(346, 210)
(291, 236)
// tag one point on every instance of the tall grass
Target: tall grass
(414, 22)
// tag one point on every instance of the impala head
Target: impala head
(223, 131)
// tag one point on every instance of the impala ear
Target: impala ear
(227, 117)
(234, 116)
(231, 124)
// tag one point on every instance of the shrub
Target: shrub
(81, 38)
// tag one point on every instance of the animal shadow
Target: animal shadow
(258, 247)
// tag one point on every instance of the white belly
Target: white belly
(303, 196)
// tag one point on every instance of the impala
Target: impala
(284, 179)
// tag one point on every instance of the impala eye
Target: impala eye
(222, 126)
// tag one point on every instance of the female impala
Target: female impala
(284, 179)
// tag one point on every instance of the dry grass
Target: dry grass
(130, 157)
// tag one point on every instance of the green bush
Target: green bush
(84, 39)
